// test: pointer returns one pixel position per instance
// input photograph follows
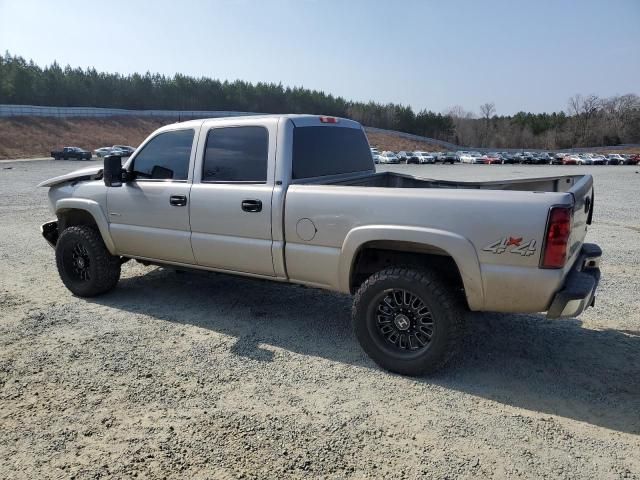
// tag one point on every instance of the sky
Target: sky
(522, 55)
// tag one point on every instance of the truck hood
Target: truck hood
(89, 173)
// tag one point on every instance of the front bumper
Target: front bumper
(50, 233)
(579, 290)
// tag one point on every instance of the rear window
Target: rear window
(319, 151)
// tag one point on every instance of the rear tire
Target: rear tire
(408, 321)
(85, 265)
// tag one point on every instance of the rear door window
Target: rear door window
(236, 154)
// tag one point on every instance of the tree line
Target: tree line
(588, 121)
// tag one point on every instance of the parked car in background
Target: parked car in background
(491, 158)
(572, 160)
(76, 153)
(614, 159)
(508, 157)
(597, 159)
(389, 157)
(538, 158)
(102, 152)
(411, 158)
(402, 156)
(633, 159)
(464, 156)
(125, 149)
(424, 157)
(557, 158)
(544, 158)
(526, 157)
(474, 157)
(375, 154)
(450, 157)
(586, 159)
(438, 156)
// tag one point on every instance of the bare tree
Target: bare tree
(574, 106)
(463, 123)
(590, 106)
(487, 110)
(620, 114)
(583, 109)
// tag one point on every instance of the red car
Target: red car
(571, 160)
(633, 159)
(491, 158)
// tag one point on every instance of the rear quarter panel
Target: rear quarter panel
(510, 280)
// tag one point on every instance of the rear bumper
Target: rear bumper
(579, 290)
(49, 231)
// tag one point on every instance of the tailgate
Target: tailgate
(583, 197)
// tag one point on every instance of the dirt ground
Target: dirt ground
(185, 375)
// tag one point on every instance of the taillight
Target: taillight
(557, 238)
(328, 119)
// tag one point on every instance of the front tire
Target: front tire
(408, 321)
(85, 265)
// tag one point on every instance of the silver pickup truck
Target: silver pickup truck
(296, 198)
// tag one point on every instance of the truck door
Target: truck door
(231, 198)
(149, 216)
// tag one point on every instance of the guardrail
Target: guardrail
(63, 112)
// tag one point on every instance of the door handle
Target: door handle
(178, 200)
(252, 205)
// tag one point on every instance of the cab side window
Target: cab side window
(236, 154)
(165, 157)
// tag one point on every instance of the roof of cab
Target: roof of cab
(298, 119)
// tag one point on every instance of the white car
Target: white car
(102, 152)
(471, 157)
(389, 157)
(464, 156)
(424, 157)
(376, 157)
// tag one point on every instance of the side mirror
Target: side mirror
(112, 171)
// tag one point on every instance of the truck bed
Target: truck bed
(477, 214)
(397, 180)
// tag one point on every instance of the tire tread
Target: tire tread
(449, 301)
(107, 265)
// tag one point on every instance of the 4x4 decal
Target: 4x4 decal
(513, 244)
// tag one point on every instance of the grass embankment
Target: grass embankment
(26, 137)
(31, 137)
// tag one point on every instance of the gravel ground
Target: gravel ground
(199, 376)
